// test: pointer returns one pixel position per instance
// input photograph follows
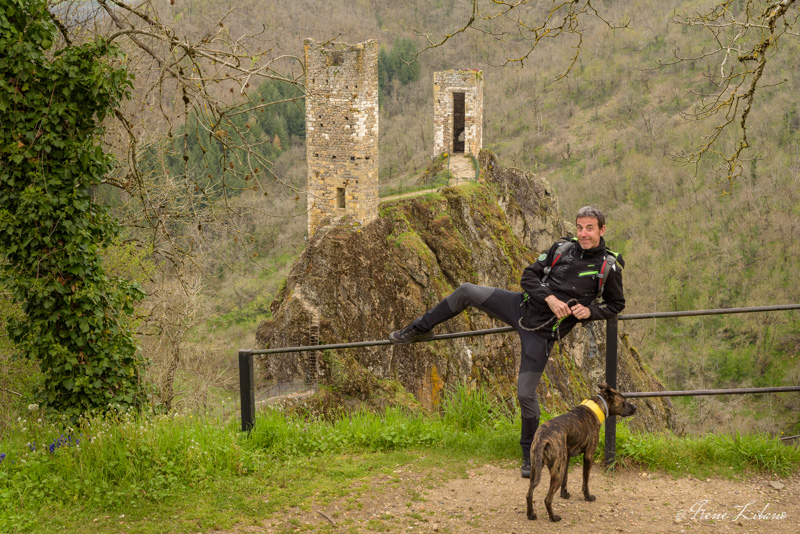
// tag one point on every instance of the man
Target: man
(563, 287)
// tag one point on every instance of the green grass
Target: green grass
(439, 180)
(708, 455)
(249, 314)
(179, 473)
(437, 175)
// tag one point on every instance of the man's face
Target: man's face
(589, 232)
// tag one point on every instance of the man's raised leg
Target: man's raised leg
(459, 300)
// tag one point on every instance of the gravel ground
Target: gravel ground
(492, 499)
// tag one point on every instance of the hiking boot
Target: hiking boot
(525, 470)
(410, 334)
(529, 426)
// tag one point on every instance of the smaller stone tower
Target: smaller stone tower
(341, 130)
(458, 111)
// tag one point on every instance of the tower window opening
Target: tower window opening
(340, 200)
(458, 122)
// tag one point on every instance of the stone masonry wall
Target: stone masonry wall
(341, 131)
(445, 83)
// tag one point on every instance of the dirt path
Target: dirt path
(492, 499)
(403, 196)
(460, 166)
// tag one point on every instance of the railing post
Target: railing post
(612, 325)
(247, 389)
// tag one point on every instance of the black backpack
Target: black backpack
(602, 275)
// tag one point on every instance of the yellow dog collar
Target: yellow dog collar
(598, 411)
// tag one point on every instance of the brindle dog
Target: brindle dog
(571, 434)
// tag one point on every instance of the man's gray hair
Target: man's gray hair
(589, 211)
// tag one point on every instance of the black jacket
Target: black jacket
(574, 276)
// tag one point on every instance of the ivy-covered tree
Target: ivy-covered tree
(76, 320)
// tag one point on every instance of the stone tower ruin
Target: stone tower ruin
(458, 111)
(341, 130)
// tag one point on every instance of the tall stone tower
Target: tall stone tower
(458, 111)
(341, 130)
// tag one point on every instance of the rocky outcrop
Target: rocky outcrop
(365, 281)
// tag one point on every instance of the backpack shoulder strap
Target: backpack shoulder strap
(562, 248)
(609, 264)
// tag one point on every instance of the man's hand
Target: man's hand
(581, 312)
(559, 308)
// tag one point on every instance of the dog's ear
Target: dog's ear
(602, 386)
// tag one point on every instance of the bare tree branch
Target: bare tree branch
(528, 21)
(745, 35)
(744, 44)
(186, 87)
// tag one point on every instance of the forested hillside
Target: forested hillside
(604, 129)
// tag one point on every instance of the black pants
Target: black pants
(506, 306)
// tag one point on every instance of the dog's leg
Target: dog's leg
(529, 497)
(564, 492)
(587, 467)
(556, 476)
(536, 475)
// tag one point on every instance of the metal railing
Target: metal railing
(247, 380)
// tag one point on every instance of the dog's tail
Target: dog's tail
(536, 474)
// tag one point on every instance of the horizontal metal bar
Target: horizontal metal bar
(471, 333)
(699, 392)
(718, 311)
(308, 348)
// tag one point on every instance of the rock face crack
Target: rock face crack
(448, 276)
